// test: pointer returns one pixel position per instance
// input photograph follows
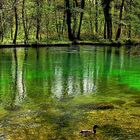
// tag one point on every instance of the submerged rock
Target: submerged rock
(97, 106)
(119, 102)
(104, 105)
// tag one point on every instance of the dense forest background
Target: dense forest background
(63, 20)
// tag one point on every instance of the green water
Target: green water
(52, 93)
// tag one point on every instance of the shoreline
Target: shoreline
(68, 44)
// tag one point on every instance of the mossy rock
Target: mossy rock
(104, 105)
(97, 106)
(118, 102)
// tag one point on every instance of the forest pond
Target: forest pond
(53, 93)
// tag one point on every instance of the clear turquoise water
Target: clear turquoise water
(52, 82)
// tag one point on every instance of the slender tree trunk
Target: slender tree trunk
(57, 21)
(56, 24)
(81, 18)
(74, 16)
(96, 16)
(105, 36)
(1, 24)
(38, 18)
(47, 28)
(76, 2)
(68, 20)
(16, 22)
(108, 17)
(60, 24)
(24, 22)
(129, 27)
(63, 24)
(11, 27)
(91, 17)
(1, 21)
(129, 31)
(120, 20)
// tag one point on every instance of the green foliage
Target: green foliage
(52, 15)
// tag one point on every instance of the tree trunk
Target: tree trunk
(91, 17)
(81, 18)
(56, 24)
(96, 16)
(68, 20)
(63, 24)
(129, 31)
(74, 16)
(108, 17)
(38, 18)
(24, 22)
(120, 20)
(129, 27)
(1, 21)
(11, 27)
(16, 22)
(105, 36)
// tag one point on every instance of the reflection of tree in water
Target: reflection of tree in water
(72, 72)
(60, 74)
(48, 68)
(24, 72)
(107, 62)
(77, 76)
(17, 92)
(11, 100)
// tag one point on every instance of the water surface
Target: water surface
(51, 93)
